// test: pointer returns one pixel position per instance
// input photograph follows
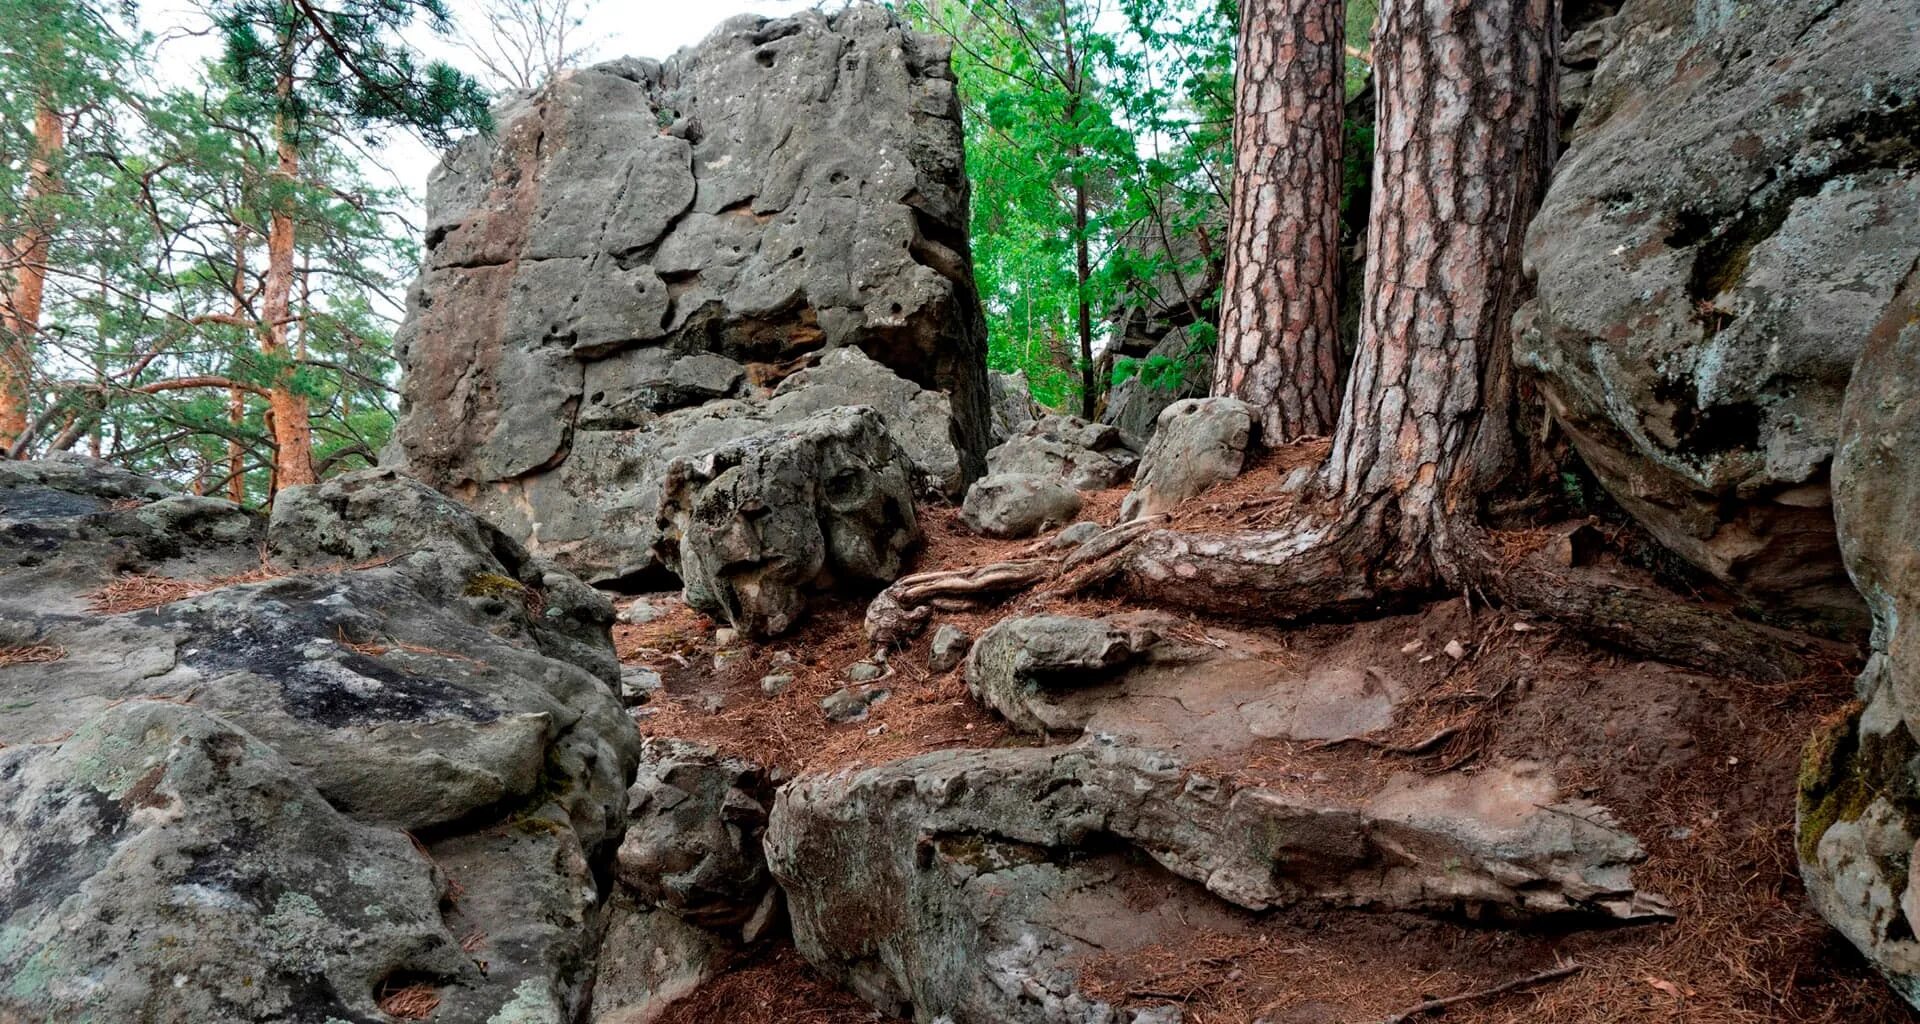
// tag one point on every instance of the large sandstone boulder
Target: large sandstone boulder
(1197, 444)
(1012, 505)
(1738, 203)
(642, 237)
(1087, 456)
(1859, 820)
(751, 527)
(160, 864)
(968, 884)
(236, 838)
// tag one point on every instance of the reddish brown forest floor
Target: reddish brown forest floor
(1700, 769)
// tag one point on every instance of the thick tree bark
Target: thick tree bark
(292, 433)
(1279, 320)
(23, 276)
(1463, 144)
(1466, 102)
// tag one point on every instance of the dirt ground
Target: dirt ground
(1700, 769)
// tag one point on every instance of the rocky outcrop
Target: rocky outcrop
(1740, 199)
(694, 822)
(752, 526)
(1013, 404)
(1016, 662)
(642, 240)
(235, 746)
(1175, 368)
(1859, 815)
(1088, 456)
(1018, 504)
(1197, 443)
(969, 883)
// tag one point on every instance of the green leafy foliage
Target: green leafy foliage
(148, 348)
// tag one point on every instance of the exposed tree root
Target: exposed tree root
(1320, 565)
(903, 609)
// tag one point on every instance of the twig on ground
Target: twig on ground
(1431, 1005)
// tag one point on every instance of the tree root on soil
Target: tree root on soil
(1316, 566)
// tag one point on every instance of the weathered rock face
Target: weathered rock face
(163, 865)
(1175, 368)
(1197, 443)
(243, 756)
(1088, 456)
(752, 526)
(640, 237)
(965, 883)
(1859, 820)
(1018, 504)
(1739, 201)
(692, 846)
(1013, 404)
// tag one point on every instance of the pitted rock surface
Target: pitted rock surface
(1086, 456)
(751, 527)
(1197, 443)
(1859, 814)
(161, 864)
(1739, 201)
(642, 237)
(400, 664)
(1011, 505)
(694, 822)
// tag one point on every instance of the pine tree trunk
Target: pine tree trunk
(1464, 140)
(24, 276)
(1279, 319)
(292, 433)
(1466, 102)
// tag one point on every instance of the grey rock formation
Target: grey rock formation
(965, 883)
(161, 864)
(1129, 678)
(1013, 404)
(920, 421)
(643, 235)
(1197, 443)
(694, 822)
(1011, 505)
(752, 526)
(1739, 201)
(1088, 456)
(649, 960)
(1859, 820)
(398, 665)
(1175, 368)
(949, 648)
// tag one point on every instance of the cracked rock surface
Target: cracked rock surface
(1738, 203)
(967, 882)
(646, 237)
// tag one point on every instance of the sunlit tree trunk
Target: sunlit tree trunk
(1280, 320)
(23, 275)
(292, 433)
